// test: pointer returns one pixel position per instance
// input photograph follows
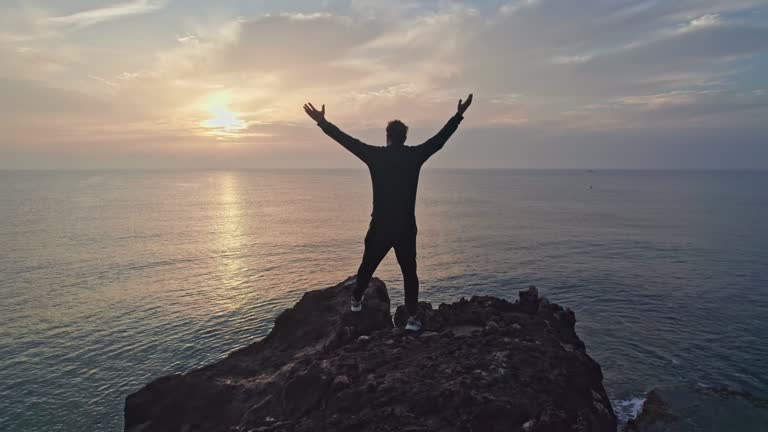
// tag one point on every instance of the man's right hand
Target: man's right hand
(464, 105)
(319, 115)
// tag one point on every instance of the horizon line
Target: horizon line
(363, 169)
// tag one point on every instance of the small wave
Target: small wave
(627, 409)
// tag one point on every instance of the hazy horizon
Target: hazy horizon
(145, 84)
(363, 169)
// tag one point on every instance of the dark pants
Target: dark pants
(378, 241)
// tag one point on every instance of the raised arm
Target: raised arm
(432, 145)
(357, 147)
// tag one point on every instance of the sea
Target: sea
(111, 279)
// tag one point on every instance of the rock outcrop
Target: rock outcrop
(655, 410)
(483, 364)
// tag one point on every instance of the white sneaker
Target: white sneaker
(357, 306)
(413, 324)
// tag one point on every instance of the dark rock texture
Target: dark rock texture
(482, 364)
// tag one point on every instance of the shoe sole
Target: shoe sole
(358, 308)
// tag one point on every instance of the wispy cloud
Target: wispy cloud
(516, 5)
(298, 16)
(506, 99)
(103, 80)
(571, 59)
(94, 16)
(701, 22)
(187, 38)
(662, 100)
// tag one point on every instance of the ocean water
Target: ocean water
(110, 279)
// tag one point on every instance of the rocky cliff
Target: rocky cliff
(483, 364)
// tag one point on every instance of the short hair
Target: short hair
(397, 131)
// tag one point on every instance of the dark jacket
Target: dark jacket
(394, 172)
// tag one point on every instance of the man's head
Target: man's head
(397, 131)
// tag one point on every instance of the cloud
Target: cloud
(516, 6)
(707, 20)
(298, 16)
(576, 59)
(599, 52)
(667, 99)
(285, 42)
(94, 16)
(21, 96)
(103, 81)
(536, 67)
(507, 99)
(187, 38)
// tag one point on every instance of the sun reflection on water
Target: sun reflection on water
(230, 236)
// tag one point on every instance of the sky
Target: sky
(124, 84)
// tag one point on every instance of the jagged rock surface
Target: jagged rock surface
(483, 364)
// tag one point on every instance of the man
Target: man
(395, 176)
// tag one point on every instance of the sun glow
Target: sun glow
(223, 122)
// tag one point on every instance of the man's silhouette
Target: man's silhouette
(395, 176)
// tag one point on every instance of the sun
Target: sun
(222, 121)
